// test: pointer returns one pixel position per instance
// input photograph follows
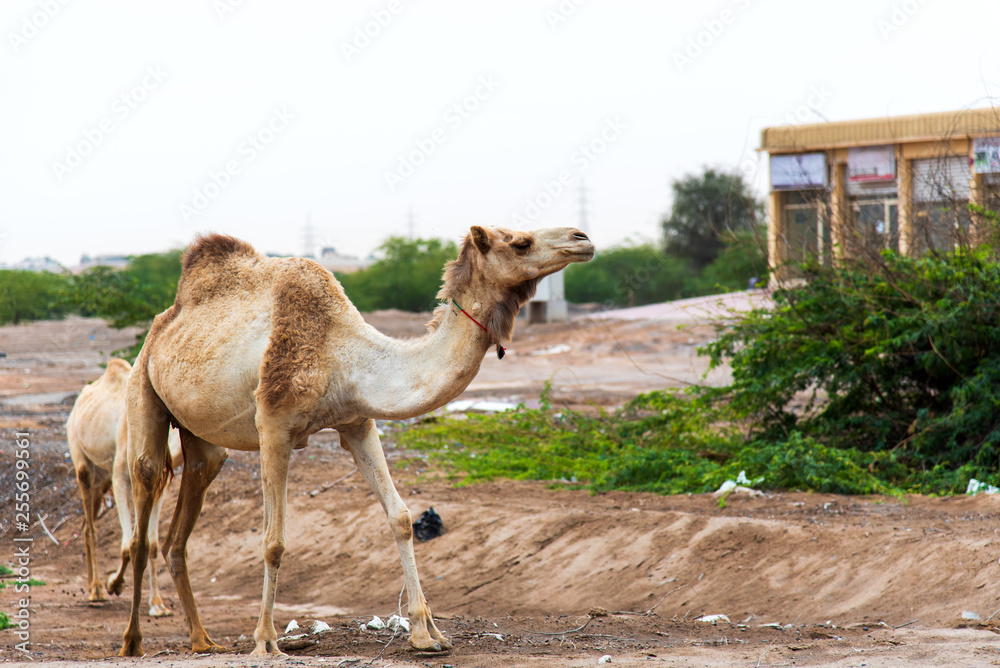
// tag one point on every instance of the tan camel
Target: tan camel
(96, 431)
(259, 353)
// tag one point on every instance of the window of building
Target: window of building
(806, 228)
(876, 222)
(940, 203)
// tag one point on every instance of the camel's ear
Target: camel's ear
(481, 238)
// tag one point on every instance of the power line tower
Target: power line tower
(411, 224)
(584, 224)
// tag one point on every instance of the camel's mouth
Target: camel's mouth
(579, 253)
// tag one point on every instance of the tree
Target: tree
(31, 295)
(902, 358)
(130, 296)
(706, 207)
(627, 276)
(742, 258)
(407, 277)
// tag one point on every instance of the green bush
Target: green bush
(130, 296)
(627, 276)
(742, 258)
(902, 358)
(31, 295)
(864, 379)
(407, 277)
(666, 442)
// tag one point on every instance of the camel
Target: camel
(96, 431)
(259, 353)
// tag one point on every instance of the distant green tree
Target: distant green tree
(628, 276)
(130, 296)
(31, 295)
(743, 257)
(705, 208)
(407, 277)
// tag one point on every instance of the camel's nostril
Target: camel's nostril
(580, 236)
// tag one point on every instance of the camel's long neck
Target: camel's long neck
(403, 379)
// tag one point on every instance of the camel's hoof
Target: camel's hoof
(207, 648)
(267, 648)
(132, 649)
(430, 644)
(97, 597)
(116, 587)
(160, 611)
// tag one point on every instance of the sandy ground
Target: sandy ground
(524, 575)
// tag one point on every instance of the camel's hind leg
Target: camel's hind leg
(148, 459)
(92, 482)
(122, 486)
(364, 444)
(202, 462)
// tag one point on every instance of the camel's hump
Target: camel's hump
(211, 248)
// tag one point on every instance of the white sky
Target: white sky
(556, 87)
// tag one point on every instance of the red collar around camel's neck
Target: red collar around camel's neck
(501, 351)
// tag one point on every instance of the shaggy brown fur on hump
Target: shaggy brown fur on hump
(208, 248)
(207, 270)
(500, 316)
(305, 301)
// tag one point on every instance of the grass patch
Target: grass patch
(5, 622)
(665, 442)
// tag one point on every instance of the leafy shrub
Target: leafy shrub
(130, 296)
(31, 295)
(905, 358)
(407, 277)
(742, 258)
(628, 276)
(864, 379)
(666, 442)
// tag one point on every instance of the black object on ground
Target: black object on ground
(428, 526)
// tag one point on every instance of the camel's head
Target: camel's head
(509, 265)
(509, 259)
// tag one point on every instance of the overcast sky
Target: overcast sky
(127, 127)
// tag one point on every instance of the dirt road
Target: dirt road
(524, 575)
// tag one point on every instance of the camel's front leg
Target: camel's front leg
(275, 451)
(364, 444)
(91, 485)
(121, 486)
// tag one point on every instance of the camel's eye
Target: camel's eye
(521, 244)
